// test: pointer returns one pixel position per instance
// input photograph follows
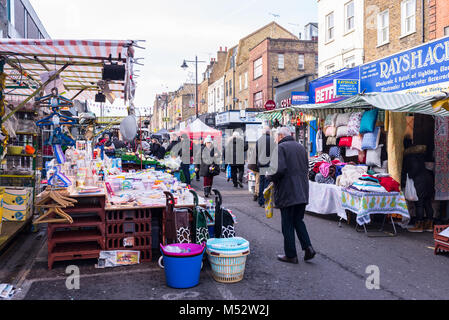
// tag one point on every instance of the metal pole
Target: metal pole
(196, 85)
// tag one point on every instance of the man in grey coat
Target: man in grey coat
(291, 195)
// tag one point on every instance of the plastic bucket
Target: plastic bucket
(211, 230)
(182, 270)
(228, 246)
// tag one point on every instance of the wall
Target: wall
(438, 18)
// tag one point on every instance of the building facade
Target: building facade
(275, 61)
(19, 20)
(340, 34)
(216, 83)
(438, 19)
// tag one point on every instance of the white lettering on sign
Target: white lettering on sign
(286, 103)
(325, 94)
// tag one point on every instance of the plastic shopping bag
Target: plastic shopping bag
(410, 190)
(228, 172)
(269, 200)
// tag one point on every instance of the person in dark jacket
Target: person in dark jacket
(174, 140)
(235, 157)
(157, 150)
(264, 149)
(291, 194)
(208, 159)
(185, 152)
(423, 179)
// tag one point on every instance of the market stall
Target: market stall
(359, 150)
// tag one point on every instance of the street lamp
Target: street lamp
(185, 66)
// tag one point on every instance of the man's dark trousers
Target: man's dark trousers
(293, 220)
(186, 170)
(263, 184)
(237, 172)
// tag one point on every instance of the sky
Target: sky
(174, 30)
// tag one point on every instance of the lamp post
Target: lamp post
(185, 66)
(273, 81)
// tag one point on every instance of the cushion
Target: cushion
(335, 152)
(362, 157)
(343, 119)
(373, 157)
(357, 142)
(369, 120)
(345, 142)
(331, 141)
(331, 120)
(371, 140)
(351, 152)
(330, 131)
(354, 123)
(342, 132)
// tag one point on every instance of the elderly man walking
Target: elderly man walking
(291, 195)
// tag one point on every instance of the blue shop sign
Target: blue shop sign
(299, 98)
(419, 67)
(346, 87)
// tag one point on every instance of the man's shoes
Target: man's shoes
(256, 197)
(288, 260)
(207, 191)
(428, 226)
(418, 228)
(310, 254)
(236, 186)
(240, 184)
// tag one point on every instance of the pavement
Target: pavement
(408, 268)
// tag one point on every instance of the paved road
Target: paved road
(408, 267)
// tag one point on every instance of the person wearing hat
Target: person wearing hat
(208, 160)
(157, 150)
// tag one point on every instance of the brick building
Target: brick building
(275, 61)
(438, 19)
(394, 26)
(216, 83)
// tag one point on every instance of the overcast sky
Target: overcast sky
(174, 30)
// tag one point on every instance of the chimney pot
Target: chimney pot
(221, 49)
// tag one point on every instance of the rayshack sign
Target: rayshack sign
(424, 67)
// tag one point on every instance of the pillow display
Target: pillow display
(373, 157)
(342, 132)
(331, 141)
(351, 152)
(357, 142)
(343, 119)
(331, 120)
(335, 152)
(354, 123)
(345, 142)
(369, 120)
(371, 140)
(330, 132)
(362, 157)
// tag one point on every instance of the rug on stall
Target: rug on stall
(442, 158)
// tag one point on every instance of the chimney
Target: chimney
(226, 49)
(221, 49)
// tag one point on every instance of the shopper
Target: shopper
(291, 194)
(208, 156)
(264, 150)
(235, 157)
(174, 140)
(414, 166)
(185, 153)
(143, 146)
(157, 150)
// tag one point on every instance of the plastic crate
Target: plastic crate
(128, 228)
(140, 242)
(128, 215)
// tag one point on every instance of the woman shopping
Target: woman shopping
(209, 165)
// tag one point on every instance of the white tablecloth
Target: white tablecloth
(325, 199)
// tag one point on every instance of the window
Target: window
(330, 27)
(349, 62)
(383, 28)
(349, 16)
(258, 100)
(246, 80)
(230, 87)
(316, 62)
(246, 104)
(330, 68)
(240, 82)
(408, 17)
(280, 61)
(301, 62)
(258, 71)
(446, 31)
(227, 89)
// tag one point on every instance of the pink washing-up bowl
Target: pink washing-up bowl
(191, 248)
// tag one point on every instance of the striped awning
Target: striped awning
(394, 102)
(28, 59)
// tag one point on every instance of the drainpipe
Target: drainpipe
(423, 21)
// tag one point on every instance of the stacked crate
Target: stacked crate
(130, 230)
(85, 238)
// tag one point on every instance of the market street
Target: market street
(408, 267)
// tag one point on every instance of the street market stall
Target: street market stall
(359, 150)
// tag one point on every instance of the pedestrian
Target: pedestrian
(235, 157)
(208, 162)
(291, 194)
(264, 149)
(185, 153)
(157, 150)
(143, 146)
(174, 140)
(197, 146)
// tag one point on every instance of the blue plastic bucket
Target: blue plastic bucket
(182, 272)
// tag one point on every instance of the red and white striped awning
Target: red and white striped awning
(29, 58)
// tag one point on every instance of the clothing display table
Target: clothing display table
(325, 199)
(364, 204)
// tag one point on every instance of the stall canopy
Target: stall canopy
(199, 129)
(394, 102)
(75, 66)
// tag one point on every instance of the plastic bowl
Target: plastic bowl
(15, 150)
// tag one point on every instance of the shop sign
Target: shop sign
(270, 105)
(222, 118)
(299, 98)
(423, 66)
(346, 88)
(285, 103)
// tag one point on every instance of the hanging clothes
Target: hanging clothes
(396, 133)
(313, 128)
(319, 141)
(441, 158)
